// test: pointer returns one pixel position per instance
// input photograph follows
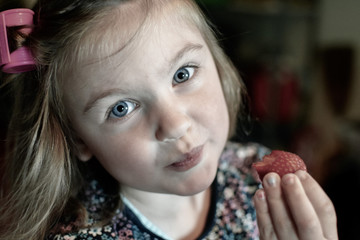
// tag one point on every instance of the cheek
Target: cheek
(214, 109)
(123, 155)
(118, 147)
(221, 115)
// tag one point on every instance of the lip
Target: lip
(188, 160)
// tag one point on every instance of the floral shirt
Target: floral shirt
(231, 216)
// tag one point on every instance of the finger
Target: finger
(321, 203)
(266, 228)
(302, 210)
(280, 216)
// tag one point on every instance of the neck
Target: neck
(180, 217)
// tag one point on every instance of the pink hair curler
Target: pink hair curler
(20, 60)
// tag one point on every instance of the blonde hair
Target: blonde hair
(41, 176)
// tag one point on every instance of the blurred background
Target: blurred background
(300, 62)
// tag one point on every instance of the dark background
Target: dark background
(299, 61)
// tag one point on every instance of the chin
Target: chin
(197, 184)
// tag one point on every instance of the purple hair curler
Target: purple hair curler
(20, 60)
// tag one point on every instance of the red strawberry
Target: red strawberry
(280, 162)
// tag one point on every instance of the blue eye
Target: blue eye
(122, 108)
(184, 74)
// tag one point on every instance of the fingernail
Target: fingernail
(288, 179)
(271, 180)
(260, 195)
(301, 175)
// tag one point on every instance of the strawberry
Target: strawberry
(280, 162)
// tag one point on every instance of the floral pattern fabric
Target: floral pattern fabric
(231, 216)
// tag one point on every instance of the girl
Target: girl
(121, 133)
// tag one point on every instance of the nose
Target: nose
(173, 123)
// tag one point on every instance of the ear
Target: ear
(82, 151)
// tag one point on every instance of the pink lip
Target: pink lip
(189, 160)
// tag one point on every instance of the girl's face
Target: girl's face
(153, 114)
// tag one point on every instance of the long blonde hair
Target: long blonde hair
(41, 176)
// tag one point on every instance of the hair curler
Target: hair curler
(20, 60)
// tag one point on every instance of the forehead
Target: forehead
(135, 41)
(130, 23)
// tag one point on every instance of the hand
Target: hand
(294, 207)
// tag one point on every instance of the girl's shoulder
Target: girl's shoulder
(241, 156)
(236, 183)
(235, 164)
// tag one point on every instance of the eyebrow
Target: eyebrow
(190, 47)
(107, 93)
